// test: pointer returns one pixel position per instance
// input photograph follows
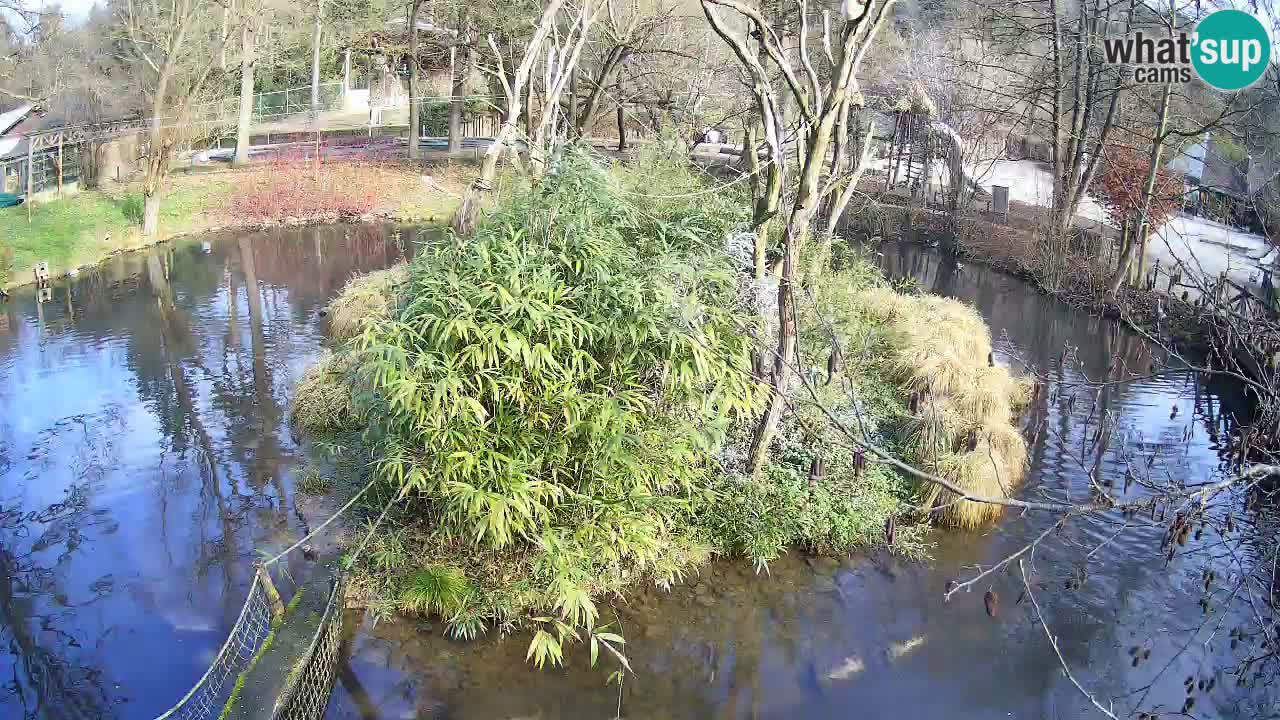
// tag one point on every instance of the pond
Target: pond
(146, 461)
(146, 458)
(870, 636)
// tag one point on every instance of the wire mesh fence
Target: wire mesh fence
(479, 117)
(43, 169)
(271, 105)
(307, 690)
(205, 700)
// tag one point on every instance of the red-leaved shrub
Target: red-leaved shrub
(1119, 184)
(297, 187)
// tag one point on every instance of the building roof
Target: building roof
(12, 118)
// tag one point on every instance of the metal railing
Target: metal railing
(306, 690)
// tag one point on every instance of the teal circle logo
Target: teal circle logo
(1232, 49)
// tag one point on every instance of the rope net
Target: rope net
(206, 699)
(307, 689)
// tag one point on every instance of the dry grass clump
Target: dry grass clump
(962, 426)
(322, 400)
(366, 296)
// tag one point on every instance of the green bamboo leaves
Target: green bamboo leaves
(561, 381)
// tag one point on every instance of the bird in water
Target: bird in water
(992, 601)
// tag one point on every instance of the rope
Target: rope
(322, 525)
(369, 535)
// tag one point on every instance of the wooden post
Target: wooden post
(59, 165)
(31, 154)
(277, 605)
(346, 73)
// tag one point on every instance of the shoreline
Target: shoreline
(1136, 309)
(484, 566)
(286, 222)
(75, 232)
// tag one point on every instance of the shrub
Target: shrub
(846, 506)
(937, 351)
(132, 206)
(1120, 183)
(300, 188)
(559, 383)
(434, 116)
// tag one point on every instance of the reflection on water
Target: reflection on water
(870, 636)
(145, 458)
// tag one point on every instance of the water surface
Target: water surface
(146, 459)
(870, 636)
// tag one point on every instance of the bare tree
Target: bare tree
(317, 34)
(461, 66)
(248, 61)
(514, 90)
(20, 50)
(822, 105)
(560, 65)
(414, 81)
(169, 43)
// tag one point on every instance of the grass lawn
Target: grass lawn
(85, 227)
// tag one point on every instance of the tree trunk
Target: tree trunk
(315, 58)
(157, 155)
(248, 59)
(526, 110)
(222, 44)
(573, 104)
(150, 213)
(1138, 244)
(622, 129)
(749, 142)
(415, 111)
(585, 120)
(765, 211)
(802, 214)
(464, 219)
(841, 201)
(458, 88)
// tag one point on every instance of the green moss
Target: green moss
(294, 601)
(238, 688)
